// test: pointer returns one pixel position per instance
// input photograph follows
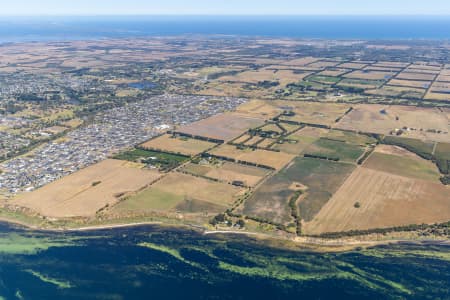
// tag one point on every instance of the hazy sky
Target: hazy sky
(225, 7)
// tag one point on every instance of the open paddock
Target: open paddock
(397, 91)
(83, 193)
(253, 141)
(410, 83)
(276, 160)
(313, 113)
(370, 75)
(333, 149)
(259, 108)
(266, 143)
(415, 76)
(352, 65)
(423, 123)
(178, 192)
(398, 161)
(385, 200)
(224, 126)
(437, 96)
(323, 64)
(228, 172)
(320, 178)
(443, 78)
(360, 83)
(333, 72)
(182, 145)
(391, 64)
(298, 141)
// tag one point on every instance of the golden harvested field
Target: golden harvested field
(437, 96)
(370, 75)
(441, 87)
(352, 65)
(242, 139)
(222, 126)
(422, 67)
(181, 145)
(410, 83)
(383, 119)
(415, 76)
(323, 64)
(253, 141)
(287, 76)
(251, 76)
(301, 61)
(284, 77)
(313, 113)
(88, 190)
(228, 172)
(334, 72)
(303, 138)
(175, 191)
(393, 64)
(266, 143)
(397, 91)
(443, 78)
(272, 159)
(386, 200)
(259, 108)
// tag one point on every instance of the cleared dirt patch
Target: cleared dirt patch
(86, 191)
(185, 146)
(385, 200)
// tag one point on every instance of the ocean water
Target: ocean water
(351, 27)
(149, 262)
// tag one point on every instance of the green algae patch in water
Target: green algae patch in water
(22, 244)
(59, 283)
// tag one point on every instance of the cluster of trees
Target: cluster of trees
(439, 229)
(321, 157)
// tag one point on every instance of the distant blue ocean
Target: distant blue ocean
(320, 27)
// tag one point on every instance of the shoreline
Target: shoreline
(316, 244)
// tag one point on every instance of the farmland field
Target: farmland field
(85, 192)
(222, 127)
(415, 76)
(162, 160)
(182, 145)
(228, 172)
(385, 200)
(315, 113)
(321, 178)
(369, 75)
(403, 165)
(174, 190)
(350, 137)
(423, 123)
(335, 150)
(276, 160)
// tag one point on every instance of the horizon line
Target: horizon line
(222, 15)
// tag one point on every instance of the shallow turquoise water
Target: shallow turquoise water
(149, 262)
